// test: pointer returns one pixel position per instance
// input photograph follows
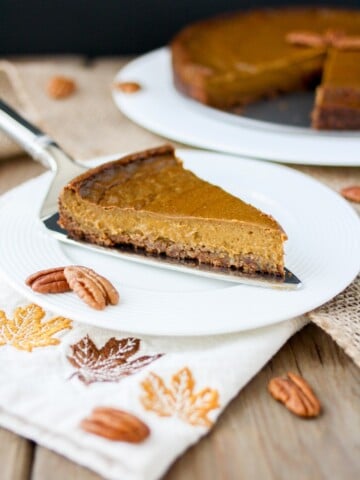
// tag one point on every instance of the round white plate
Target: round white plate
(161, 109)
(323, 250)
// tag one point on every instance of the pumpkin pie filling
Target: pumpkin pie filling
(150, 203)
(337, 103)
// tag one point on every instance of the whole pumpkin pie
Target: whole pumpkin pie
(149, 202)
(236, 59)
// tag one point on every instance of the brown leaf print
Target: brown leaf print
(109, 363)
(27, 330)
(179, 399)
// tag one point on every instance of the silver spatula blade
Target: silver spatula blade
(44, 149)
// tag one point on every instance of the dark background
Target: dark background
(110, 27)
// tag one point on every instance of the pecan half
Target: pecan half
(330, 38)
(306, 39)
(115, 425)
(127, 87)
(51, 280)
(295, 393)
(60, 87)
(108, 288)
(351, 193)
(347, 43)
(91, 287)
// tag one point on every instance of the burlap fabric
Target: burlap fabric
(340, 318)
(87, 124)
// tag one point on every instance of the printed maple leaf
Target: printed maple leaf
(179, 400)
(27, 330)
(109, 363)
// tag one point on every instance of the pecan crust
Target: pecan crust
(115, 425)
(296, 394)
(51, 280)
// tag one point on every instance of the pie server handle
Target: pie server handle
(43, 149)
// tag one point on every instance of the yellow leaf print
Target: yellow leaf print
(179, 399)
(27, 331)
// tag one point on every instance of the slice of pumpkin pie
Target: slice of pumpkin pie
(148, 201)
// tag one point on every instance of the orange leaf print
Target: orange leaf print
(27, 330)
(158, 398)
(179, 399)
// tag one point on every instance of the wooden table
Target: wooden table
(255, 437)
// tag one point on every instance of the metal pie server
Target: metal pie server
(44, 149)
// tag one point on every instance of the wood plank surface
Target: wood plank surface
(16, 455)
(15, 171)
(257, 437)
(49, 465)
